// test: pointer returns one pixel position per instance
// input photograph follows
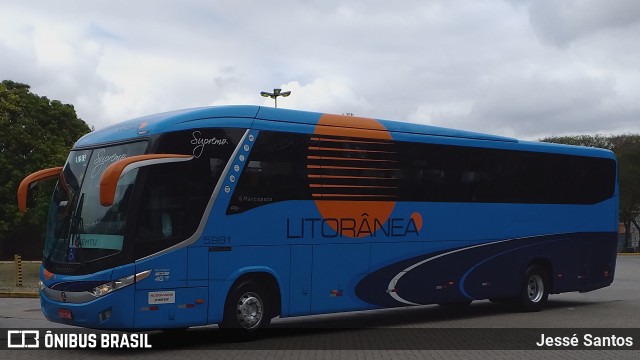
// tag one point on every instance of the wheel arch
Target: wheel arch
(545, 264)
(265, 278)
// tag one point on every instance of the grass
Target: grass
(30, 273)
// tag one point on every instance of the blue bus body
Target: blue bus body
(327, 214)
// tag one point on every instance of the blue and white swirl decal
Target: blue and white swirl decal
(492, 269)
(392, 287)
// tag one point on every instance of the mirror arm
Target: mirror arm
(111, 175)
(23, 189)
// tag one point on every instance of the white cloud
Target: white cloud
(322, 95)
(562, 22)
(522, 68)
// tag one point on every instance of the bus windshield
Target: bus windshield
(79, 229)
(154, 207)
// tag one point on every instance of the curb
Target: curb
(4, 293)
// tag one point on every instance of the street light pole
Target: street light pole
(274, 95)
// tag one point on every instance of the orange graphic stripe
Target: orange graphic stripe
(347, 168)
(351, 186)
(316, 157)
(353, 132)
(348, 141)
(316, 176)
(318, 148)
(353, 196)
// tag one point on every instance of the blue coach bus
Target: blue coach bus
(236, 215)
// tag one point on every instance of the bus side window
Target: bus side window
(275, 172)
(160, 206)
(174, 196)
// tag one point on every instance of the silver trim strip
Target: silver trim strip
(394, 281)
(72, 297)
(205, 216)
(79, 297)
(143, 163)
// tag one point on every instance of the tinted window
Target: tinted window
(275, 171)
(174, 195)
(465, 174)
(343, 168)
(285, 166)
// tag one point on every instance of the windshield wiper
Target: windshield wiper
(72, 236)
(76, 225)
(63, 233)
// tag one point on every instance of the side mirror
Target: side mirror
(111, 175)
(31, 198)
(30, 181)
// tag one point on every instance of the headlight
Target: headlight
(111, 286)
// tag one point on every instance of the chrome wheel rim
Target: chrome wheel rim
(535, 288)
(249, 310)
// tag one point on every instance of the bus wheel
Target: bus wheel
(246, 309)
(535, 289)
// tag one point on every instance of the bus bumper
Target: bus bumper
(106, 312)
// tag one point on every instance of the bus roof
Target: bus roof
(173, 120)
(302, 117)
(244, 116)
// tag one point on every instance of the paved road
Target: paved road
(393, 333)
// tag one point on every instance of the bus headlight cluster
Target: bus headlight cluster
(111, 286)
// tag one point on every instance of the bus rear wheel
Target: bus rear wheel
(535, 289)
(246, 309)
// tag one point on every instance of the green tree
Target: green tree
(629, 178)
(597, 141)
(35, 133)
(627, 149)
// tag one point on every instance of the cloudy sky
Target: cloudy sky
(523, 68)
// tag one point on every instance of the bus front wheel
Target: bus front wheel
(246, 309)
(535, 289)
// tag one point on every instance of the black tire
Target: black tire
(535, 289)
(247, 309)
(175, 331)
(456, 304)
(505, 301)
